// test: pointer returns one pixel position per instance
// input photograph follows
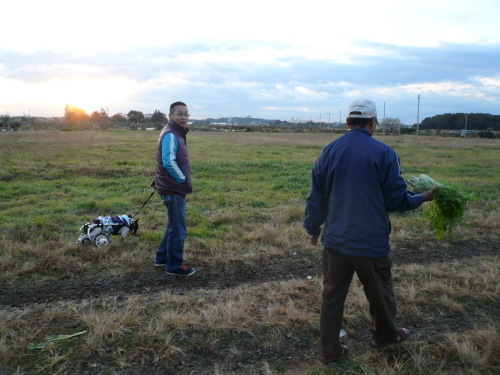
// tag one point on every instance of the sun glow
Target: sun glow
(88, 94)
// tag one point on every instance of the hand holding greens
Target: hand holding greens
(447, 209)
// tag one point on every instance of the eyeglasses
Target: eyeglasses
(180, 114)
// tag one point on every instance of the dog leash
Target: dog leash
(147, 200)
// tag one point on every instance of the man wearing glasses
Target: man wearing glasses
(173, 183)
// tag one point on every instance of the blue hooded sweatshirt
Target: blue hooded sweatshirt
(356, 181)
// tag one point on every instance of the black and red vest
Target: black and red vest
(165, 183)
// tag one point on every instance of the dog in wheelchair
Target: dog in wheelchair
(98, 231)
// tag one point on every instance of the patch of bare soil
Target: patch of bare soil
(155, 280)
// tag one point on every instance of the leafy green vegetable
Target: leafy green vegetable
(447, 209)
(54, 338)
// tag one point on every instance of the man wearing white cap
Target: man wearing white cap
(356, 181)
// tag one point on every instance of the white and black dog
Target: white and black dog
(98, 231)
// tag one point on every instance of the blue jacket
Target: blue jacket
(356, 180)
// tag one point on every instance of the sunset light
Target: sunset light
(88, 94)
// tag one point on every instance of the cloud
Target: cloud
(262, 78)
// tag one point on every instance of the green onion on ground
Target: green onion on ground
(447, 209)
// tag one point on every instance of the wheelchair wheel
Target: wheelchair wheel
(101, 240)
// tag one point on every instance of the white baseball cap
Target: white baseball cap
(362, 108)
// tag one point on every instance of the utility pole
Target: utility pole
(384, 110)
(465, 122)
(418, 113)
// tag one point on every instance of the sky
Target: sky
(270, 59)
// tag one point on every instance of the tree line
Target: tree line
(462, 121)
(77, 118)
(74, 115)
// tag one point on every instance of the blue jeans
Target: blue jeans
(172, 244)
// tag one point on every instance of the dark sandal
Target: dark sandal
(343, 353)
(403, 334)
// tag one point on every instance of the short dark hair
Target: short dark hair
(173, 105)
(357, 122)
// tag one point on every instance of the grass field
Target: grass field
(250, 308)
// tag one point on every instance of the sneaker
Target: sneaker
(182, 271)
(159, 264)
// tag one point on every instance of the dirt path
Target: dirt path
(155, 280)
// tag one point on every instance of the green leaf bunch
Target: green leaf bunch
(54, 338)
(447, 209)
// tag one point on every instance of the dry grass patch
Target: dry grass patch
(484, 218)
(105, 322)
(223, 217)
(409, 230)
(475, 277)
(163, 327)
(289, 213)
(168, 326)
(278, 235)
(477, 349)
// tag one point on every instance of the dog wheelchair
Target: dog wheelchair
(100, 229)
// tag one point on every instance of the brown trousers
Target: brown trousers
(375, 275)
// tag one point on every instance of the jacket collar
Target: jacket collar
(183, 130)
(362, 130)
